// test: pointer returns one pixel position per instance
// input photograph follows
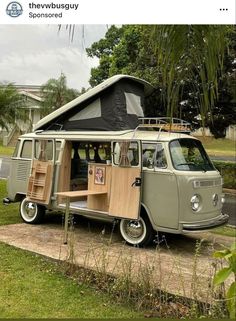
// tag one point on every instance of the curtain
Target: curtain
(124, 149)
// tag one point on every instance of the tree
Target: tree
(191, 55)
(224, 111)
(10, 103)
(183, 62)
(103, 49)
(55, 94)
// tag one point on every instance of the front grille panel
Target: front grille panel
(207, 183)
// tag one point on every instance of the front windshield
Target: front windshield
(189, 155)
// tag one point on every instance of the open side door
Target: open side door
(40, 181)
(126, 179)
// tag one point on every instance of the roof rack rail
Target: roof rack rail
(168, 124)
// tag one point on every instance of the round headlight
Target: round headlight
(195, 202)
(215, 199)
(222, 199)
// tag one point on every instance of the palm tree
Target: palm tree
(189, 55)
(10, 103)
(55, 94)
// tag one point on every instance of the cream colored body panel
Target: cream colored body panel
(166, 193)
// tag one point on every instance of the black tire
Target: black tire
(31, 212)
(137, 232)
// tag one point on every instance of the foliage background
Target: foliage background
(192, 68)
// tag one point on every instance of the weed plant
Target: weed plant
(132, 278)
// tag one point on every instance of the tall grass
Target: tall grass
(141, 279)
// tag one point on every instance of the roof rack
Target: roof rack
(168, 124)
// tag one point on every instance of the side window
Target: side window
(44, 150)
(148, 155)
(26, 151)
(58, 149)
(160, 157)
(95, 151)
(15, 153)
(126, 153)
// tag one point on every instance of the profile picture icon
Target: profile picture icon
(14, 9)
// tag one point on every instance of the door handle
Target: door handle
(137, 182)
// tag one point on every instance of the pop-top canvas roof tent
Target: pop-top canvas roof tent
(115, 104)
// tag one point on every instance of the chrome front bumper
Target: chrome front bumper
(221, 220)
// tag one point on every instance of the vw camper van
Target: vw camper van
(151, 178)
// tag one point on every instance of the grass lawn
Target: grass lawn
(9, 214)
(8, 151)
(218, 147)
(225, 230)
(34, 287)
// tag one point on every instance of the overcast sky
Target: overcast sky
(32, 54)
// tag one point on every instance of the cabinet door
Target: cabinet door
(41, 178)
(126, 179)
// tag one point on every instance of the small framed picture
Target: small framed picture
(100, 175)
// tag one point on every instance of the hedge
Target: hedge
(228, 172)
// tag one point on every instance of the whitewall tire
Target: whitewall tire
(31, 212)
(136, 232)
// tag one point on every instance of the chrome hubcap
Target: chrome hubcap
(134, 229)
(30, 209)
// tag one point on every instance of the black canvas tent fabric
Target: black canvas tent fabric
(112, 105)
(113, 108)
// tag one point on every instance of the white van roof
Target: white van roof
(108, 135)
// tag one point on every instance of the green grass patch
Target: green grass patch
(5, 150)
(228, 172)
(218, 147)
(9, 214)
(225, 230)
(34, 287)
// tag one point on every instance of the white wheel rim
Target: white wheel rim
(133, 231)
(29, 211)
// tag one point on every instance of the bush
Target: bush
(228, 172)
(229, 255)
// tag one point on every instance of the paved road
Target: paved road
(223, 158)
(229, 207)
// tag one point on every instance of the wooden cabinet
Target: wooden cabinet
(99, 202)
(40, 181)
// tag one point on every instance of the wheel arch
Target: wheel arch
(19, 197)
(144, 210)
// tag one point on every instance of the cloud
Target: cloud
(33, 54)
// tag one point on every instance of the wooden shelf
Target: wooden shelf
(71, 194)
(39, 184)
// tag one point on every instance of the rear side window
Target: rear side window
(26, 151)
(126, 153)
(44, 150)
(58, 149)
(15, 153)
